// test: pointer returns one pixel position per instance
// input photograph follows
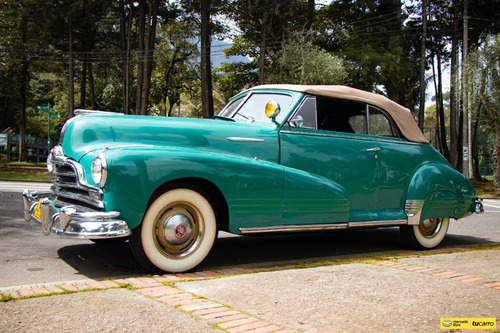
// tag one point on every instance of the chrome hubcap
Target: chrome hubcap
(178, 231)
(430, 227)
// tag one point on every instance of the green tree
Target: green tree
(265, 27)
(301, 62)
(176, 63)
(482, 70)
(19, 35)
(375, 44)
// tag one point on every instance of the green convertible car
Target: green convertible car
(277, 158)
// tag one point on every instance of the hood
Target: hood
(90, 133)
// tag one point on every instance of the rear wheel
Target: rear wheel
(177, 233)
(426, 235)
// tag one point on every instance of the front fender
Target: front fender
(440, 191)
(134, 174)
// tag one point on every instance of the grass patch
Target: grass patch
(30, 164)
(126, 286)
(26, 176)
(25, 171)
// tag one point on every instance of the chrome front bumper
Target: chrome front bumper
(72, 220)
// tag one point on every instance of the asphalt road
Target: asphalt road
(28, 257)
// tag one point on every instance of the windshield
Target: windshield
(253, 106)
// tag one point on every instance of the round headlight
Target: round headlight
(99, 170)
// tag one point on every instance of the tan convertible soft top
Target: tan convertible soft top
(401, 115)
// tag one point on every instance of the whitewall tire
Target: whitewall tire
(177, 232)
(426, 235)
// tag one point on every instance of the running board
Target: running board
(320, 227)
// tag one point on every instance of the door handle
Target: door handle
(376, 149)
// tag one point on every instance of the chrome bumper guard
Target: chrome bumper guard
(72, 220)
(478, 206)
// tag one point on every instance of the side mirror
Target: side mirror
(297, 121)
(272, 109)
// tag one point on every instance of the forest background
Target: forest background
(152, 57)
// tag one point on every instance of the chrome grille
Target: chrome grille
(70, 188)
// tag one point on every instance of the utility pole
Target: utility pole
(421, 110)
(467, 160)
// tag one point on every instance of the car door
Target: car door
(398, 159)
(332, 142)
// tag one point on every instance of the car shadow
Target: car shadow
(97, 261)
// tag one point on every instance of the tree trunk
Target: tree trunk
(437, 137)
(125, 42)
(71, 76)
(263, 47)
(476, 174)
(474, 151)
(93, 102)
(442, 125)
(310, 14)
(496, 157)
(206, 68)
(146, 35)
(83, 85)
(422, 66)
(140, 56)
(151, 20)
(23, 89)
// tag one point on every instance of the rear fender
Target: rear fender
(436, 191)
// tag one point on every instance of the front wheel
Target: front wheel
(177, 233)
(426, 235)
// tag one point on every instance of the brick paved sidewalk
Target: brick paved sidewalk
(163, 289)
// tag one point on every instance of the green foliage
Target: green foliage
(372, 45)
(236, 76)
(482, 84)
(301, 62)
(375, 45)
(176, 63)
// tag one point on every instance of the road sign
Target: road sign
(44, 108)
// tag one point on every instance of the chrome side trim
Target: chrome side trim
(84, 112)
(366, 224)
(354, 137)
(319, 227)
(413, 209)
(242, 139)
(128, 146)
(288, 228)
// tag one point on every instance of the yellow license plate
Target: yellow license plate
(37, 214)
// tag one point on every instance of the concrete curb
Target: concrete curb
(442, 274)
